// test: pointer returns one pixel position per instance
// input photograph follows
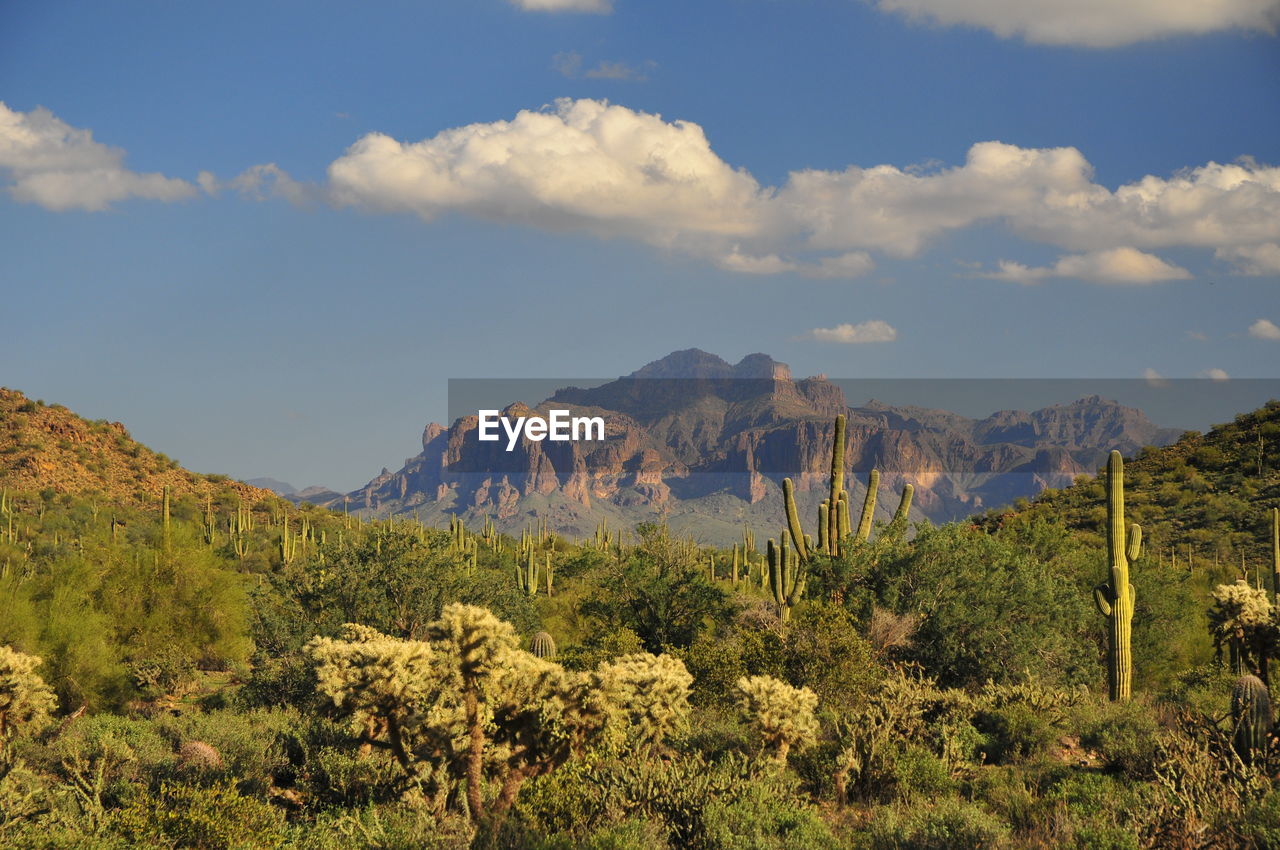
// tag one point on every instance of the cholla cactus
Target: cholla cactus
(651, 693)
(783, 714)
(469, 703)
(1242, 619)
(25, 700)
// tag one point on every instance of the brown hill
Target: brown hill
(47, 447)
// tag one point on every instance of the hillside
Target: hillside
(47, 447)
(1207, 496)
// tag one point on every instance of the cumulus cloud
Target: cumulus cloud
(584, 165)
(61, 167)
(873, 330)
(1117, 265)
(605, 169)
(1264, 329)
(1154, 378)
(598, 6)
(1263, 259)
(1214, 374)
(1093, 23)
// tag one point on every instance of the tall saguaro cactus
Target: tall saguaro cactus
(1115, 596)
(1275, 550)
(786, 578)
(793, 519)
(832, 519)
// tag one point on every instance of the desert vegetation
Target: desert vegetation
(209, 670)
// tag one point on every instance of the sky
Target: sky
(265, 235)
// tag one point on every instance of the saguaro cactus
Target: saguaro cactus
(1275, 550)
(786, 578)
(1115, 596)
(527, 576)
(1251, 717)
(832, 519)
(793, 518)
(868, 507)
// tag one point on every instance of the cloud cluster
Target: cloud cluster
(1117, 265)
(60, 167)
(1093, 23)
(591, 166)
(585, 165)
(873, 330)
(613, 171)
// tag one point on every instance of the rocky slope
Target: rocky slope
(47, 447)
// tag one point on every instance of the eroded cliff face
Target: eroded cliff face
(692, 426)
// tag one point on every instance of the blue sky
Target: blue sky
(899, 188)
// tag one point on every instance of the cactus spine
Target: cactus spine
(1115, 597)
(1250, 717)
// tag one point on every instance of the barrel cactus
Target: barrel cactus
(1251, 717)
(543, 646)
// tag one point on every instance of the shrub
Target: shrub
(946, 825)
(1124, 734)
(213, 818)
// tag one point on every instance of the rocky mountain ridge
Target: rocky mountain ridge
(703, 443)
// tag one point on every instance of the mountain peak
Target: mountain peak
(689, 363)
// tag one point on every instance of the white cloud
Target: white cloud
(736, 261)
(1263, 259)
(1117, 265)
(608, 170)
(61, 167)
(1264, 329)
(598, 6)
(873, 330)
(1214, 375)
(1154, 378)
(584, 165)
(1093, 23)
(1198, 336)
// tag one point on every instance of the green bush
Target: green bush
(190, 816)
(1013, 733)
(759, 820)
(1124, 734)
(1261, 822)
(947, 825)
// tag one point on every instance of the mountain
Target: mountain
(704, 444)
(280, 488)
(47, 447)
